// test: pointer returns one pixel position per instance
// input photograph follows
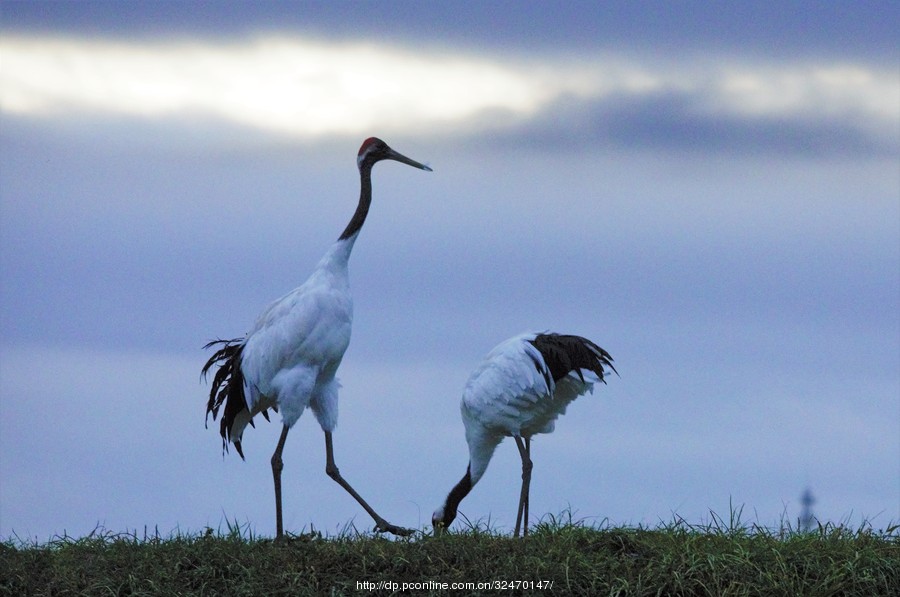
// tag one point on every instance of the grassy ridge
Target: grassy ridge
(677, 559)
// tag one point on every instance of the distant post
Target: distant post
(807, 519)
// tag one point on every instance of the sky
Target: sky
(711, 192)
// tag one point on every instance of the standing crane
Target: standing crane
(519, 390)
(288, 360)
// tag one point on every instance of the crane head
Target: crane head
(442, 520)
(374, 150)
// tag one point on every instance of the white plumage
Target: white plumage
(519, 390)
(288, 360)
(297, 343)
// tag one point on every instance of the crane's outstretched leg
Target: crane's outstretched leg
(381, 525)
(277, 466)
(525, 453)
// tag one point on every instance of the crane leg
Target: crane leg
(331, 469)
(527, 484)
(522, 514)
(277, 466)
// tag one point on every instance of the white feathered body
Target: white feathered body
(288, 360)
(513, 393)
(292, 353)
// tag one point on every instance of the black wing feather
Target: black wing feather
(564, 354)
(227, 386)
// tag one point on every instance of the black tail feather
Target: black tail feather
(227, 387)
(564, 354)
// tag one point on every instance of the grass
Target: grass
(560, 556)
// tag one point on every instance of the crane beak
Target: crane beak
(399, 157)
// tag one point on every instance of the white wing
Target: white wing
(502, 392)
(512, 392)
(299, 341)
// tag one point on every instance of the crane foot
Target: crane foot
(382, 526)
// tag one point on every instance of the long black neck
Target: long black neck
(365, 199)
(459, 491)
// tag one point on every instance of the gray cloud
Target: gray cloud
(678, 122)
(766, 29)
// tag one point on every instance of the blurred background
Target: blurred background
(709, 192)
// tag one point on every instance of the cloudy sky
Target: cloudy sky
(711, 192)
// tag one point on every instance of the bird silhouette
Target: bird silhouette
(288, 360)
(519, 390)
